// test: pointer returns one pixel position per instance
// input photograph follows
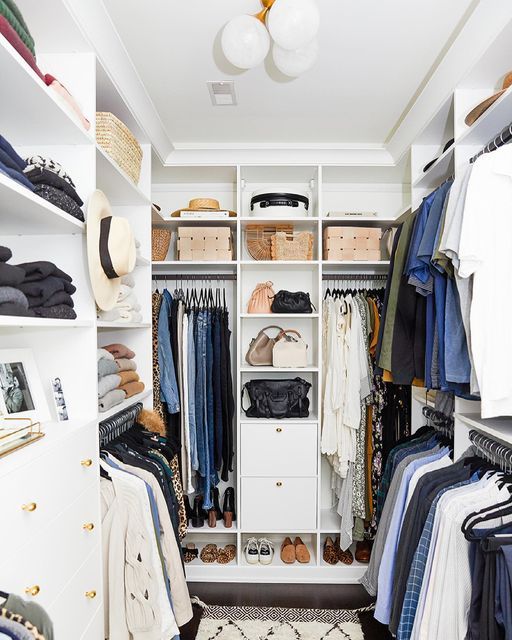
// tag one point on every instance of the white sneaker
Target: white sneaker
(251, 551)
(266, 550)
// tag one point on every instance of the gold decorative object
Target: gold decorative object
(16, 433)
(33, 591)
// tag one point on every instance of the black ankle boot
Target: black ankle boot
(215, 495)
(229, 513)
(188, 508)
(198, 513)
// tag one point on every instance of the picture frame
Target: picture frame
(21, 392)
(59, 400)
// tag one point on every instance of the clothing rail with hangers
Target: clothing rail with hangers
(119, 423)
(492, 450)
(355, 276)
(503, 138)
(195, 276)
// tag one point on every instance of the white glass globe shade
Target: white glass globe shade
(294, 63)
(245, 42)
(293, 23)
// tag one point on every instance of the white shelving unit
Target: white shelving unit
(300, 437)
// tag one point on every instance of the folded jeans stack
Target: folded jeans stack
(14, 29)
(12, 165)
(127, 307)
(117, 376)
(52, 183)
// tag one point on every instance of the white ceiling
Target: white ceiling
(374, 57)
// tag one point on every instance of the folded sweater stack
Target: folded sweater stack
(12, 165)
(14, 29)
(117, 376)
(34, 289)
(52, 183)
(127, 307)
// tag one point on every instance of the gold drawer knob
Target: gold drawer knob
(29, 507)
(279, 430)
(89, 526)
(90, 594)
(86, 463)
(33, 591)
(279, 484)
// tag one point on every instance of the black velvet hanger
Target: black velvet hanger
(488, 513)
(4, 594)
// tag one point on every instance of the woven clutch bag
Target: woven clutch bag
(292, 246)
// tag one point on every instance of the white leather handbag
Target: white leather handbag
(290, 350)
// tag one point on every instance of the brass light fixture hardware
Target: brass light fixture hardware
(262, 15)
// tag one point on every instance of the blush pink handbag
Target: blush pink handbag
(261, 298)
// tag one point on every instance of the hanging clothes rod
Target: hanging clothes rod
(503, 138)
(194, 276)
(492, 450)
(113, 427)
(355, 276)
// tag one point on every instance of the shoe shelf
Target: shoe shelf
(220, 529)
(119, 187)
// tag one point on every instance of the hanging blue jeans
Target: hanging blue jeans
(191, 376)
(168, 385)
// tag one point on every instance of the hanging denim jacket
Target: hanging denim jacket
(168, 385)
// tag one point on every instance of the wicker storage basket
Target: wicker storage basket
(160, 240)
(205, 243)
(352, 243)
(292, 246)
(119, 142)
(258, 238)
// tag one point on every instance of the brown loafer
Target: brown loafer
(301, 551)
(288, 551)
(330, 553)
(363, 551)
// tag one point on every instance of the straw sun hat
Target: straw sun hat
(202, 204)
(111, 250)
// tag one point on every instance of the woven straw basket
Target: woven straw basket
(160, 240)
(119, 142)
(292, 246)
(258, 238)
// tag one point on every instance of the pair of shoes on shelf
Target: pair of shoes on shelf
(223, 555)
(294, 551)
(333, 553)
(190, 552)
(259, 551)
(197, 515)
(364, 551)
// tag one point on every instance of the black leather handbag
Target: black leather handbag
(277, 398)
(291, 302)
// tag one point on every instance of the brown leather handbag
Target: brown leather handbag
(261, 297)
(260, 350)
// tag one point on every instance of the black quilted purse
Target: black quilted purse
(291, 302)
(277, 398)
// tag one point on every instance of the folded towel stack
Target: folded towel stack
(34, 289)
(127, 307)
(52, 183)
(14, 29)
(117, 376)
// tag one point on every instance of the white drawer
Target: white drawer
(50, 483)
(96, 629)
(51, 558)
(280, 449)
(73, 610)
(278, 504)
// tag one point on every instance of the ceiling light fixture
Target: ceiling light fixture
(293, 26)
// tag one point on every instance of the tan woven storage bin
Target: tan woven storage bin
(160, 241)
(292, 246)
(352, 243)
(258, 238)
(205, 243)
(119, 142)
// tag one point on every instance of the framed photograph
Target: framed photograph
(60, 401)
(21, 392)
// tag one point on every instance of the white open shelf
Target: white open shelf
(294, 370)
(366, 221)
(311, 419)
(43, 323)
(330, 521)
(24, 212)
(301, 316)
(439, 171)
(122, 325)
(29, 112)
(139, 397)
(119, 187)
(486, 127)
(499, 428)
(206, 530)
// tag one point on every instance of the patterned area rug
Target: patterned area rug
(259, 623)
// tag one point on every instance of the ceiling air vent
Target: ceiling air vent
(222, 93)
